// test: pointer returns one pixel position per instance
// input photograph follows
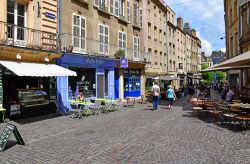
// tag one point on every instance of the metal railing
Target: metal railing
(14, 35)
(75, 44)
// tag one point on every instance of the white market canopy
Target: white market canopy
(166, 78)
(36, 69)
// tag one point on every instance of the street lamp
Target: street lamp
(221, 38)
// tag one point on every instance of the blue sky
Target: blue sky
(207, 17)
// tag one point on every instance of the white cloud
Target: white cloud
(207, 10)
(206, 46)
(212, 9)
(206, 16)
(223, 50)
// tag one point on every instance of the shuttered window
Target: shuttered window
(136, 48)
(79, 33)
(122, 41)
(128, 11)
(104, 39)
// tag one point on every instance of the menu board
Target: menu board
(1, 88)
(5, 136)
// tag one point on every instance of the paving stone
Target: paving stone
(134, 135)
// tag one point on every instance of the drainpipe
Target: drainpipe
(59, 16)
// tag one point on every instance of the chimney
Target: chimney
(179, 22)
(186, 28)
(193, 32)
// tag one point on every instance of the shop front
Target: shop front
(95, 77)
(130, 82)
(28, 89)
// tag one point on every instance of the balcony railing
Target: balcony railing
(75, 44)
(14, 35)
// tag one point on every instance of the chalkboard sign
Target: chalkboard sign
(5, 136)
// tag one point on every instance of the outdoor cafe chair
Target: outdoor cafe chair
(77, 112)
(96, 107)
(118, 104)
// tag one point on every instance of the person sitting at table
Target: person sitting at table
(80, 97)
(230, 94)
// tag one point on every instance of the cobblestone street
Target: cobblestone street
(135, 135)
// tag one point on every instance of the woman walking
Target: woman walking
(170, 97)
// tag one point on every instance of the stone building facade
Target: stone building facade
(231, 26)
(155, 37)
(110, 29)
(244, 25)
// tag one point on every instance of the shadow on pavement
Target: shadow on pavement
(37, 118)
(10, 144)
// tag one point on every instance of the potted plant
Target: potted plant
(120, 54)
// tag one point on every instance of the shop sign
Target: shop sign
(123, 63)
(50, 15)
(93, 61)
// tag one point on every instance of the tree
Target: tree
(208, 77)
(220, 75)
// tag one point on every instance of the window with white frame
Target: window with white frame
(140, 17)
(136, 48)
(121, 8)
(79, 33)
(101, 4)
(104, 39)
(116, 12)
(16, 15)
(111, 8)
(122, 40)
(136, 13)
(128, 11)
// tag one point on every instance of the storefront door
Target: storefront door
(100, 86)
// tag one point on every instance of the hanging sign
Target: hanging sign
(123, 63)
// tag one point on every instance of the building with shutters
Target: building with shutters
(95, 34)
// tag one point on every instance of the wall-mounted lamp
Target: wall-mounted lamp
(18, 56)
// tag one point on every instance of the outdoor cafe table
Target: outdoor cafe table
(110, 103)
(74, 101)
(245, 108)
(106, 100)
(84, 105)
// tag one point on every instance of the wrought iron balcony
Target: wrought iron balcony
(81, 45)
(18, 36)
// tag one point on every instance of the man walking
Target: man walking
(156, 94)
